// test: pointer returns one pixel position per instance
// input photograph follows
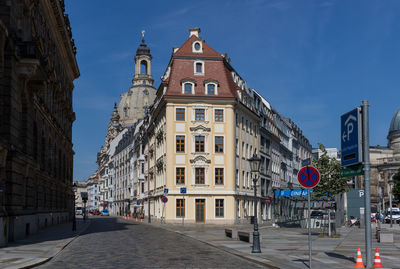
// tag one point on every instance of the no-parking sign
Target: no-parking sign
(308, 177)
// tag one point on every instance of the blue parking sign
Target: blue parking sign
(350, 137)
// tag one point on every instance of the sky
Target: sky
(312, 60)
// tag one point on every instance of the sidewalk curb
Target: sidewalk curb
(44, 260)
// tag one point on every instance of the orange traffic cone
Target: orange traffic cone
(377, 259)
(136, 219)
(359, 262)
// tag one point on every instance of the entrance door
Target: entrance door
(200, 210)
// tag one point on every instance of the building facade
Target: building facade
(385, 162)
(37, 70)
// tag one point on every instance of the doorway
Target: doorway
(200, 210)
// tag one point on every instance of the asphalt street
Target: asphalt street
(114, 243)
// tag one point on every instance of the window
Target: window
(199, 67)
(197, 47)
(180, 143)
(180, 208)
(188, 88)
(211, 89)
(219, 144)
(199, 175)
(199, 143)
(125, 111)
(180, 114)
(219, 207)
(219, 115)
(180, 175)
(199, 114)
(219, 176)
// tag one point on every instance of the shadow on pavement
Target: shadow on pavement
(64, 231)
(303, 261)
(339, 256)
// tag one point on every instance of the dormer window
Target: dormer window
(199, 68)
(211, 87)
(197, 47)
(188, 88)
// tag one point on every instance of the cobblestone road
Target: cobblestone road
(113, 243)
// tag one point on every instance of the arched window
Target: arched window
(211, 89)
(188, 88)
(143, 67)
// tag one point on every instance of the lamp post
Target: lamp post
(255, 169)
(390, 181)
(73, 213)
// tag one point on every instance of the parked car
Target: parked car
(105, 212)
(96, 212)
(395, 216)
(78, 210)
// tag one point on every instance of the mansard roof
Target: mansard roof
(216, 69)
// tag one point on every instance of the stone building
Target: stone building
(132, 108)
(203, 109)
(37, 70)
(385, 162)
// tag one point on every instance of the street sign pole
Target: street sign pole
(309, 229)
(309, 177)
(183, 217)
(367, 198)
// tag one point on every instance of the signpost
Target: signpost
(183, 192)
(309, 178)
(355, 159)
(164, 199)
(165, 191)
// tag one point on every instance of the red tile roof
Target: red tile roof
(215, 68)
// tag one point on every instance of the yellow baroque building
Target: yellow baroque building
(202, 130)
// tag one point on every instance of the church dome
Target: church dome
(395, 124)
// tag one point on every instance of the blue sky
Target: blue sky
(312, 60)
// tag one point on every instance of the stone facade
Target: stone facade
(37, 70)
(385, 162)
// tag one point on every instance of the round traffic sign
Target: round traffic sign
(308, 177)
(164, 199)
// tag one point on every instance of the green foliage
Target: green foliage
(396, 187)
(329, 169)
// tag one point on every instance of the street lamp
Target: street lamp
(74, 218)
(390, 182)
(255, 169)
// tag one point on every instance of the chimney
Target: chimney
(194, 31)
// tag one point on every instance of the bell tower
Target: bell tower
(143, 65)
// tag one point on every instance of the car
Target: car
(78, 210)
(105, 212)
(96, 212)
(395, 216)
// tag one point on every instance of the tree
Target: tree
(329, 169)
(396, 186)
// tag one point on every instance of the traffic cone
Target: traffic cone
(359, 262)
(141, 220)
(136, 219)
(124, 217)
(377, 259)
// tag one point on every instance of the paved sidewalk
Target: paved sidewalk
(40, 247)
(288, 247)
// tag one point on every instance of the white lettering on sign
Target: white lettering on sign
(350, 128)
(361, 193)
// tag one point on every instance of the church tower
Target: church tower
(134, 103)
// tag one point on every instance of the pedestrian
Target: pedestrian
(377, 217)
